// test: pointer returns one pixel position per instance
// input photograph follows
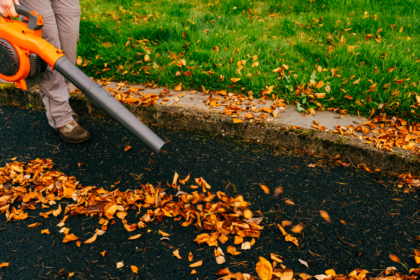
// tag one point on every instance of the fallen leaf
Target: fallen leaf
(286, 223)
(246, 246)
(223, 271)
(33, 225)
(127, 148)
(235, 120)
(234, 80)
(220, 259)
(265, 270)
(134, 269)
(298, 228)
(178, 87)
(276, 258)
(196, 264)
(278, 191)
(120, 264)
(330, 272)
(102, 253)
(70, 237)
(325, 215)
(135, 237)
(71, 274)
(92, 239)
(238, 240)
(304, 263)
(193, 272)
(232, 250)
(163, 233)
(190, 257)
(284, 274)
(394, 258)
(292, 239)
(5, 264)
(176, 254)
(289, 202)
(265, 189)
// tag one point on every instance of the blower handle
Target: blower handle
(35, 20)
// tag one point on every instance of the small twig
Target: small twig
(350, 160)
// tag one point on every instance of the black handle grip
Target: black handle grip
(35, 21)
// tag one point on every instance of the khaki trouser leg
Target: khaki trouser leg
(61, 29)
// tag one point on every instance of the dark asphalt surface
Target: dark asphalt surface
(379, 220)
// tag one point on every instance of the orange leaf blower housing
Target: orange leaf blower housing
(22, 49)
(24, 55)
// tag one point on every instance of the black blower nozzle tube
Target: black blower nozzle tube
(105, 101)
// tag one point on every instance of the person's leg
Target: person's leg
(52, 86)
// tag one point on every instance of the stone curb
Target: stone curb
(273, 134)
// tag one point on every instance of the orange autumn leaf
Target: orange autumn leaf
(325, 215)
(265, 189)
(190, 257)
(232, 250)
(394, 258)
(234, 80)
(102, 253)
(298, 228)
(176, 254)
(185, 180)
(178, 87)
(134, 269)
(197, 264)
(45, 231)
(284, 274)
(238, 240)
(264, 269)
(70, 237)
(135, 237)
(92, 239)
(33, 225)
(163, 233)
(235, 120)
(5, 264)
(127, 148)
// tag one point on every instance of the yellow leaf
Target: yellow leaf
(276, 258)
(417, 259)
(265, 189)
(255, 64)
(70, 237)
(147, 58)
(264, 269)
(103, 253)
(45, 231)
(284, 274)
(5, 264)
(234, 80)
(134, 269)
(255, 57)
(190, 257)
(330, 272)
(237, 121)
(33, 225)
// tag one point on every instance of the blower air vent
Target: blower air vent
(9, 60)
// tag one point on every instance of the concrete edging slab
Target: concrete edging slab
(274, 134)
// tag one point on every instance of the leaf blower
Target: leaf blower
(24, 55)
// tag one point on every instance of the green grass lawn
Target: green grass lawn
(356, 55)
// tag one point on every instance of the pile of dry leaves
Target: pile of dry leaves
(29, 185)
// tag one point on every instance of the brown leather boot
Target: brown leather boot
(73, 133)
(76, 118)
